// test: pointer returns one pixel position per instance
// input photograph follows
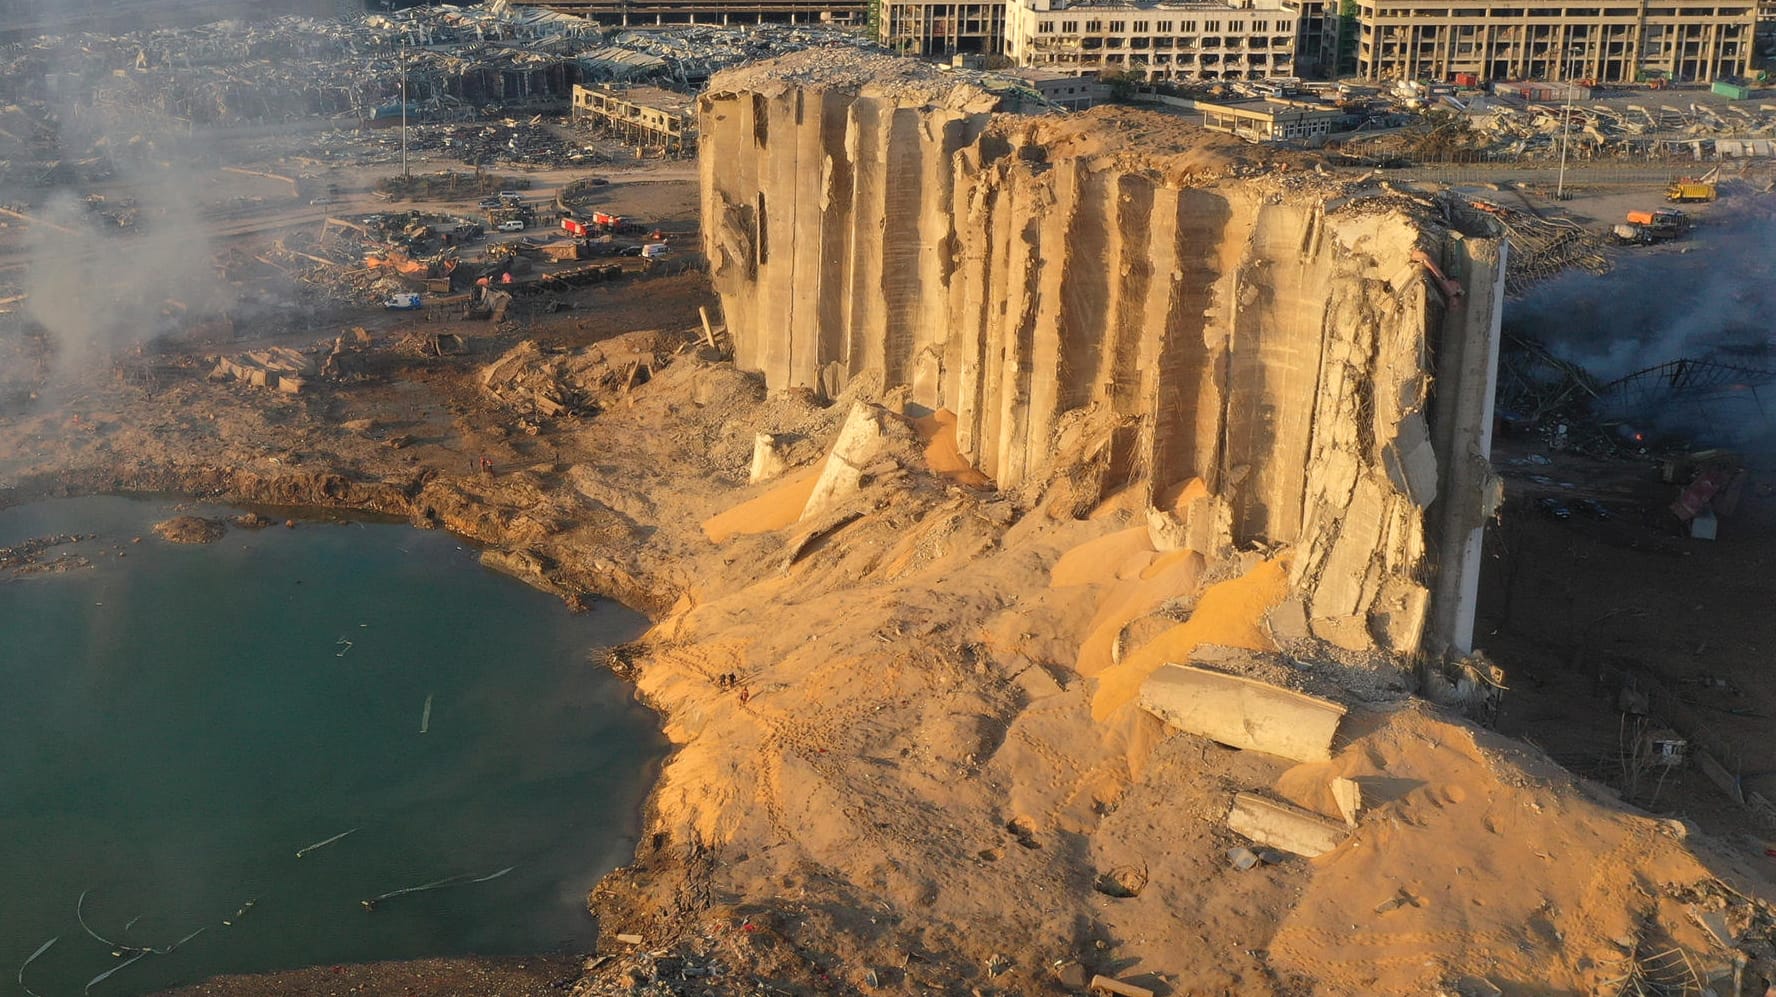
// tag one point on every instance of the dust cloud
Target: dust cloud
(1709, 298)
(93, 285)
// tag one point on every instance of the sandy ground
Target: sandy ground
(927, 775)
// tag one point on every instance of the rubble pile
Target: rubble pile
(690, 53)
(1541, 247)
(31, 556)
(1497, 129)
(508, 141)
(539, 383)
(444, 63)
(278, 367)
(1110, 267)
(1599, 130)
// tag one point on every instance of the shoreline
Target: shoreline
(495, 973)
(917, 788)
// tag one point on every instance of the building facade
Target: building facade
(921, 27)
(1270, 120)
(1154, 41)
(1683, 40)
(640, 13)
(1317, 37)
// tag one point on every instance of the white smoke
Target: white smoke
(1708, 297)
(94, 288)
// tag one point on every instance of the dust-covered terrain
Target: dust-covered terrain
(918, 544)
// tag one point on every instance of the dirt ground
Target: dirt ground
(924, 774)
(1584, 607)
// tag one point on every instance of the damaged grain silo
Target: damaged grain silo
(1099, 297)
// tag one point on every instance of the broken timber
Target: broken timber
(1242, 712)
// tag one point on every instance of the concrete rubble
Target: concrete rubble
(1283, 825)
(1270, 349)
(448, 64)
(279, 367)
(1242, 712)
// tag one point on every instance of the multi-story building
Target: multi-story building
(1154, 40)
(645, 12)
(1698, 40)
(924, 27)
(1317, 37)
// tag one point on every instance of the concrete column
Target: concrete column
(1461, 432)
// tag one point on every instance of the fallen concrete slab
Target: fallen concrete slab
(1349, 797)
(1243, 712)
(1106, 985)
(1280, 825)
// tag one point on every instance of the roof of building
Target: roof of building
(670, 101)
(1038, 74)
(1266, 106)
(1266, 7)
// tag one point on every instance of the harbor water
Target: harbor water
(236, 744)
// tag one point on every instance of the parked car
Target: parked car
(1553, 508)
(1595, 509)
(512, 225)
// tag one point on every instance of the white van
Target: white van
(512, 225)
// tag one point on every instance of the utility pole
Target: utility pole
(1566, 123)
(403, 57)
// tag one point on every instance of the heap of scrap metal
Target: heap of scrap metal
(442, 63)
(1508, 130)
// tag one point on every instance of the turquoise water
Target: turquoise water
(177, 723)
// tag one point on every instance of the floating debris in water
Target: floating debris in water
(118, 948)
(102, 977)
(40, 950)
(462, 880)
(319, 844)
(425, 717)
(170, 949)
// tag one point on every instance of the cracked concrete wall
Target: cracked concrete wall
(873, 217)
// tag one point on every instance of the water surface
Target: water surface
(177, 723)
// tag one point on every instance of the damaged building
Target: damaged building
(643, 116)
(1094, 311)
(642, 12)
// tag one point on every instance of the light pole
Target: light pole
(404, 107)
(1566, 123)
